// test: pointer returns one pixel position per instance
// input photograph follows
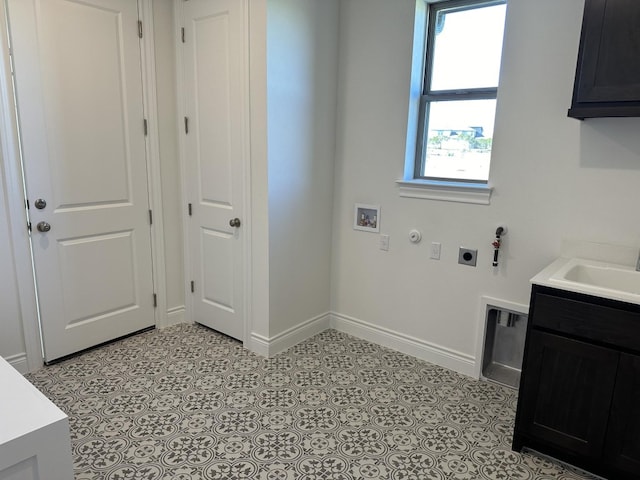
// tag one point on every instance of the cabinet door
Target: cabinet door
(623, 438)
(608, 69)
(566, 393)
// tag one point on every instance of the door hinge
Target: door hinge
(140, 28)
(190, 210)
(193, 286)
(150, 217)
(186, 125)
(182, 34)
(11, 65)
(155, 300)
(146, 128)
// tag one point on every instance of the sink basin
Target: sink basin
(602, 279)
(613, 278)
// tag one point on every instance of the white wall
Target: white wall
(554, 177)
(17, 337)
(259, 224)
(302, 46)
(12, 345)
(172, 207)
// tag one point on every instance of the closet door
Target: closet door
(214, 64)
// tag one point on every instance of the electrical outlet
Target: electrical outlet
(467, 256)
(384, 242)
(435, 251)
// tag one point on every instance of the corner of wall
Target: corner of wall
(175, 316)
(19, 362)
(430, 352)
(270, 346)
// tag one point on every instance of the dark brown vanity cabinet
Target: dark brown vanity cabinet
(623, 438)
(607, 80)
(579, 395)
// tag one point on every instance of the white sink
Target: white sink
(611, 277)
(618, 282)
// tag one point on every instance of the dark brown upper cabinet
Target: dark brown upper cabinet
(608, 73)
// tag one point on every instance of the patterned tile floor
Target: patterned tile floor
(187, 403)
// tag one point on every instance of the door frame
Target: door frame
(16, 195)
(246, 172)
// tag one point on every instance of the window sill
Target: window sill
(479, 194)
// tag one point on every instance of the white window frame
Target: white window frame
(413, 185)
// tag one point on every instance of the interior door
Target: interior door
(79, 95)
(213, 85)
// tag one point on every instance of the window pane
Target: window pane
(468, 48)
(459, 138)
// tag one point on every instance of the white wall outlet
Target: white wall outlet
(435, 251)
(384, 242)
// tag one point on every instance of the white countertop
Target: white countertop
(554, 276)
(23, 408)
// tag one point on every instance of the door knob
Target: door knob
(234, 222)
(40, 204)
(43, 227)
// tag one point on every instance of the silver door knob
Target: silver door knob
(40, 204)
(43, 227)
(234, 222)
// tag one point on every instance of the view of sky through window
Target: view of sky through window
(467, 55)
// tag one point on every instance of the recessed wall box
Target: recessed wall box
(467, 256)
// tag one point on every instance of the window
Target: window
(458, 102)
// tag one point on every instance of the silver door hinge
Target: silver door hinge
(182, 34)
(155, 300)
(146, 128)
(140, 28)
(186, 125)
(190, 210)
(193, 286)
(150, 217)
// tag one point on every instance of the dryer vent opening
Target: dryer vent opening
(503, 346)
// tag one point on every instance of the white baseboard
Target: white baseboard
(19, 362)
(432, 353)
(175, 316)
(258, 344)
(268, 347)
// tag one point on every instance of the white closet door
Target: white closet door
(214, 72)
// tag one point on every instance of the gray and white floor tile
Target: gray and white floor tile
(186, 403)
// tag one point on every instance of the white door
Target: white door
(213, 85)
(79, 95)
